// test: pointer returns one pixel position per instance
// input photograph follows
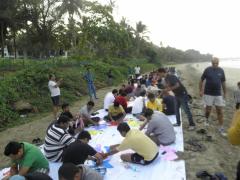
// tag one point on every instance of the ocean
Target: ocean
(230, 63)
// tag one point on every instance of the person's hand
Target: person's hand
(104, 155)
(201, 93)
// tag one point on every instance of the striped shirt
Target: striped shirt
(56, 140)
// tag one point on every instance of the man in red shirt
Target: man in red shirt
(122, 100)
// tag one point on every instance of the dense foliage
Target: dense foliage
(28, 82)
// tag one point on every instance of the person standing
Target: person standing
(236, 95)
(137, 71)
(110, 77)
(175, 85)
(211, 93)
(91, 88)
(53, 86)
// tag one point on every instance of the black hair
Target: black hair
(116, 103)
(151, 96)
(123, 93)
(238, 83)
(68, 171)
(64, 105)
(90, 103)
(123, 127)
(143, 93)
(50, 76)
(12, 148)
(114, 91)
(238, 171)
(162, 70)
(63, 119)
(148, 112)
(84, 134)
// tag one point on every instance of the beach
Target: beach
(218, 156)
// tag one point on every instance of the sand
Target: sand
(219, 155)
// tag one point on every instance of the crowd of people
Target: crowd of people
(151, 98)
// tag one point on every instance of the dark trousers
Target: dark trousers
(182, 101)
(237, 105)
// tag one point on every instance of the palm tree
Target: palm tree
(71, 7)
(141, 30)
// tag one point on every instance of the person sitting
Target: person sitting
(69, 171)
(26, 158)
(109, 98)
(139, 104)
(79, 151)
(159, 128)
(146, 151)
(234, 130)
(122, 100)
(168, 103)
(153, 103)
(76, 124)
(86, 112)
(116, 112)
(57, 139)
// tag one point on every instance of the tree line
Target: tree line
(45, 28)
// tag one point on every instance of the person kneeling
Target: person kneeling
(145, 149)
(159, 129)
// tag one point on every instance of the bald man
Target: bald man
(214, 78)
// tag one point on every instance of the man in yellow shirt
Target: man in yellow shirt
(234, 130)
(116, 112)
(146, 151)
(153, 103)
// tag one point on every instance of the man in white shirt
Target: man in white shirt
(109, 98)
(137, 71)
(139, 104)
(53, 86)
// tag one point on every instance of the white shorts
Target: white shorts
(209, 100)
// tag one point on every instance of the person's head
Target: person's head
(123, 128)
(69, 171)
(63, 122)
(116, 104)
(123, 93)
(115, 92)
(162, 72)
(143, 93)
(238, 84)
(65, 107)
(215, 62)
(17, 177)
(51, 77)
(90, 104)
(14, 150)
(84, 137)
(151, 97)
(148, 113)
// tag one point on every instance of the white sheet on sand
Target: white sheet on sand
(159, 169)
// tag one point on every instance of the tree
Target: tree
(140, 31)
(71, 7)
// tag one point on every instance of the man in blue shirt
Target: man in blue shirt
(214, 78)
(91, 88)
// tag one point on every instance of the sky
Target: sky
(209, 26)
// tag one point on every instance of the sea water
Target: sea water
(230, 63)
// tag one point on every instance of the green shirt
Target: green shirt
(32, 158)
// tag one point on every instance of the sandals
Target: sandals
(195, 146)
(204, 175)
